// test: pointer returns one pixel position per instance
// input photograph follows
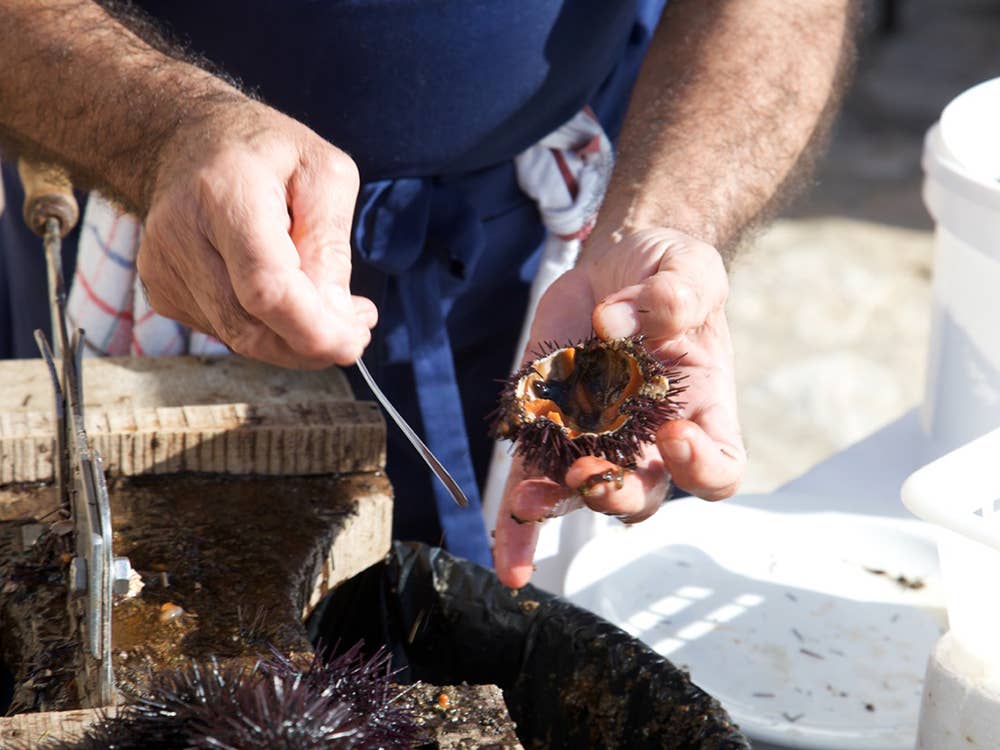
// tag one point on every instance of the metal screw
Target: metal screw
(121, 573)
(78, 575)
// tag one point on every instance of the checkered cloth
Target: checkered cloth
(107, 301)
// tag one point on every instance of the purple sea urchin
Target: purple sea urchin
(594, 398)
(348, 702)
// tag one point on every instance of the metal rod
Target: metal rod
(61, 455)
(57, 285)
(439, 471)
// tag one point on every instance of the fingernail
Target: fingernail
(619, 320)
(595, 491)
(599, 486)
(678, 451)
(518, 520)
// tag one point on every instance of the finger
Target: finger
(178, 311)
(215, 298)
(365, 311)
(167, 293)
(699, 463)
(266, 274)
(705, 453)
(257, 341)
(630, 495)
(664, 306)
(526, 504)
(563, 311)
(170, 296)
(323, 193)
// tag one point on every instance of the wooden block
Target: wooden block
(184, 414)
(301, 439)
(169, 381)
(363, 540)
(31, 731)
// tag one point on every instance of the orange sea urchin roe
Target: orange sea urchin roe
(582, 392)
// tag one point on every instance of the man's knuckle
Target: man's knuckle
(243, 338)
(157, 300)
(206, 187)
(313, 347)
(341, 168)
(673, 301)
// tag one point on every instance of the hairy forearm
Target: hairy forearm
(79, 88)
(731, 103)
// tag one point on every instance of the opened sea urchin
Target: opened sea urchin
(594, 398)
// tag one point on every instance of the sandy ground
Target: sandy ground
(830, 308)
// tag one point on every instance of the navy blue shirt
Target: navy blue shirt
(413, 87)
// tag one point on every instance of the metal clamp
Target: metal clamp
(94, 572)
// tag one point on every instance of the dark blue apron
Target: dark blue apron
(432, 99)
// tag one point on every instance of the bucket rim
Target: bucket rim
(939, 164)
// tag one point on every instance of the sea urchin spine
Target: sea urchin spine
(593, 398)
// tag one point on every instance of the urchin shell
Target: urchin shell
(592, 398)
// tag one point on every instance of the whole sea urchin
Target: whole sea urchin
(594, 398)
(346, 702)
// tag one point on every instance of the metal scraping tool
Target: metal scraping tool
(439, 471)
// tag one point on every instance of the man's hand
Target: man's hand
(247, 212)
(248, 238)
(672, 289)
(726, 112)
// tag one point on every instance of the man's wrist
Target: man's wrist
(621, 217)
(203, 108)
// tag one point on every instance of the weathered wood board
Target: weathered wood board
(169, 381)
(166, 415)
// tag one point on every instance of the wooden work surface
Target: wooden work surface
(171, 414)
(205, 415)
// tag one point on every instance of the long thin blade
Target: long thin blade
(423, 450)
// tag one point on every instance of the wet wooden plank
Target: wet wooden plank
(243, 561)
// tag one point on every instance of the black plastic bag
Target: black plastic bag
(570, 679)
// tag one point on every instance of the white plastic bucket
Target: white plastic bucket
(959, 493)
(962, 192)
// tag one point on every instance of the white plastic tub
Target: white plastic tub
(962, 193)
(958, 493)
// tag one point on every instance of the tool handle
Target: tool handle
(48, 193)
